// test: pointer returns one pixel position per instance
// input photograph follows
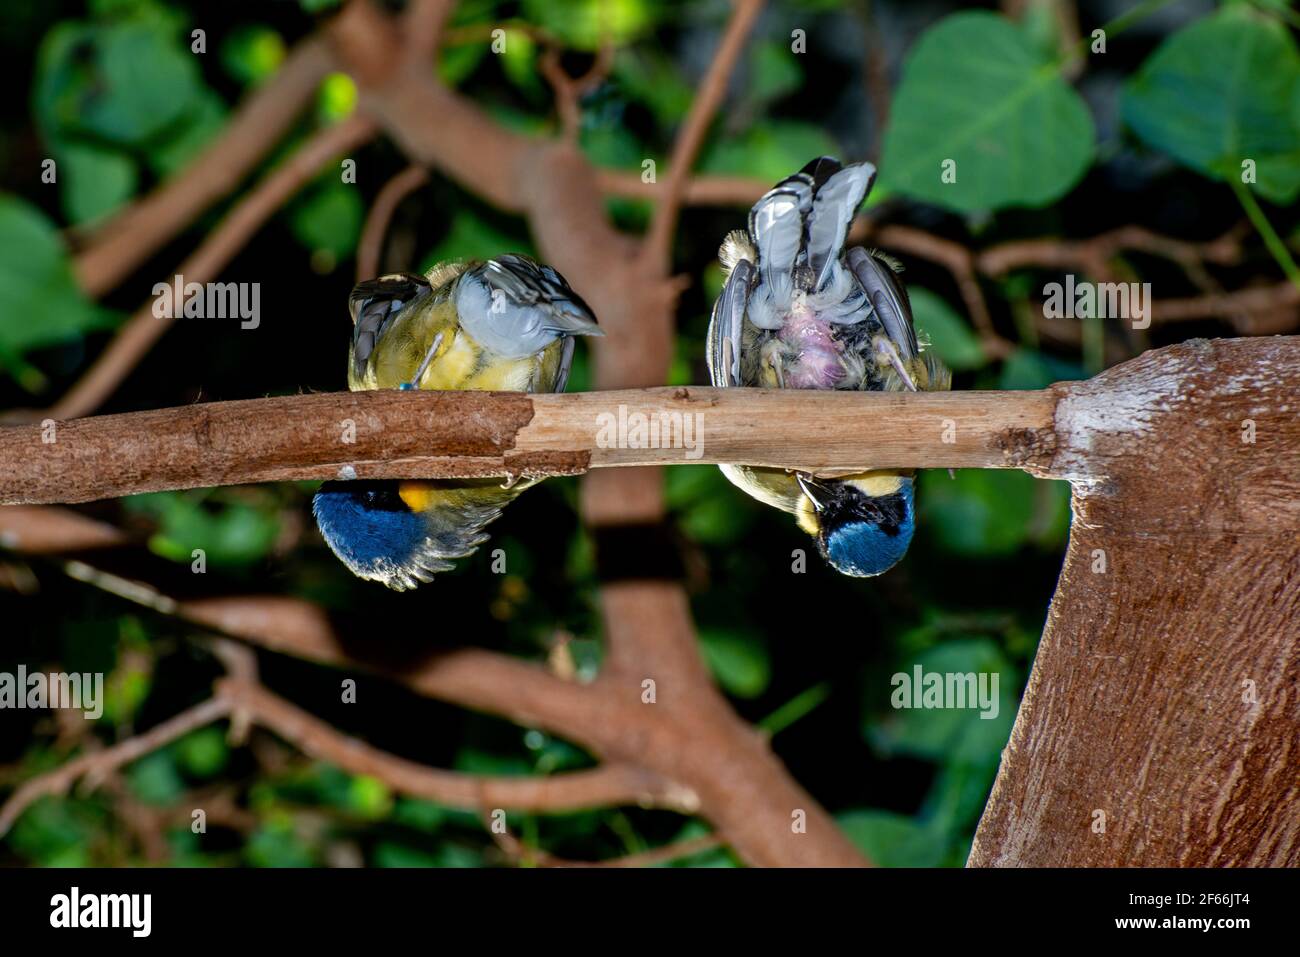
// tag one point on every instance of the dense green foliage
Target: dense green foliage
(1150, 133)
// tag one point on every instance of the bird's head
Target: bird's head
(375, 532)
(863, 528)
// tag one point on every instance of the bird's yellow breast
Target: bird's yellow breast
(459, 362)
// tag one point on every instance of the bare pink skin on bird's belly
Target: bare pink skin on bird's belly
(817, 363)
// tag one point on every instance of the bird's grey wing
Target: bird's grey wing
(566, 361)
(516, 307)
(725, 326)
(373, 305)
(776, 226)
(888, 299)
(833, 207)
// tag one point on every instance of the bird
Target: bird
(799, 311)
(505, 324)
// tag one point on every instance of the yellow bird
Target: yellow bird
(504, 325)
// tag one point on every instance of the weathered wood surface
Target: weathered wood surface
(1164, 702)
(394, 434)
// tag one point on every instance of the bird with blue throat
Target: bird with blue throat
(506, 325)
(799, 311)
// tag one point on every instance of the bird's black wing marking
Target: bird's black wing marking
(821, 169)
(373, 305)
(888, 299)
(725, 326)
(529, 283)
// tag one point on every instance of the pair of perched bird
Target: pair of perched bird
(798, 311)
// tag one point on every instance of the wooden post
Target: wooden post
(1161, 723)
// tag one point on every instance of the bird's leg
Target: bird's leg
(428, 357)
(774, 360)
(890, 352)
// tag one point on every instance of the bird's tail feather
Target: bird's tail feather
(804, 221)
(832, 213)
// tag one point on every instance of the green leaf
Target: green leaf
(202, 125)
(455, 63)
(155, 779)
(770, 151)
(337, 98)
(1221, 91)
(276, 845)
(251, 54)
(959, 793)
(473, 237)
(740, 663)
(775, 71)
(1026, 369)
(93, 181)
(56, 832)
(203, 753)
(145, 78)
(419, 814)
(947, 334)
(976, 90)
(650, 77)
(980, 512)
(587, 24)
(392, 854)
(519, 61)
(329, 220)
(369, 797)
(40, 304)
(705, 504)
(892, 840)
(950, 733)
(235, 533)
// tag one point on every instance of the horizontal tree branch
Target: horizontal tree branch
(97, 764)
(134, 339)
(609, 785)
(396, 434)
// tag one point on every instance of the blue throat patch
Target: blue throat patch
(863, 549)
(373, 538)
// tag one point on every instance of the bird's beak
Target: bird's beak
(810, 488)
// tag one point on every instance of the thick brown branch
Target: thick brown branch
(610, 785)
(128, 239)
(394, 434)
(39, 531)
(97, 764)
(690, 139)
(144, 328)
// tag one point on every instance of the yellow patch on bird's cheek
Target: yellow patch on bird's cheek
(806, 518)
(876, 484)
(417, 496)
